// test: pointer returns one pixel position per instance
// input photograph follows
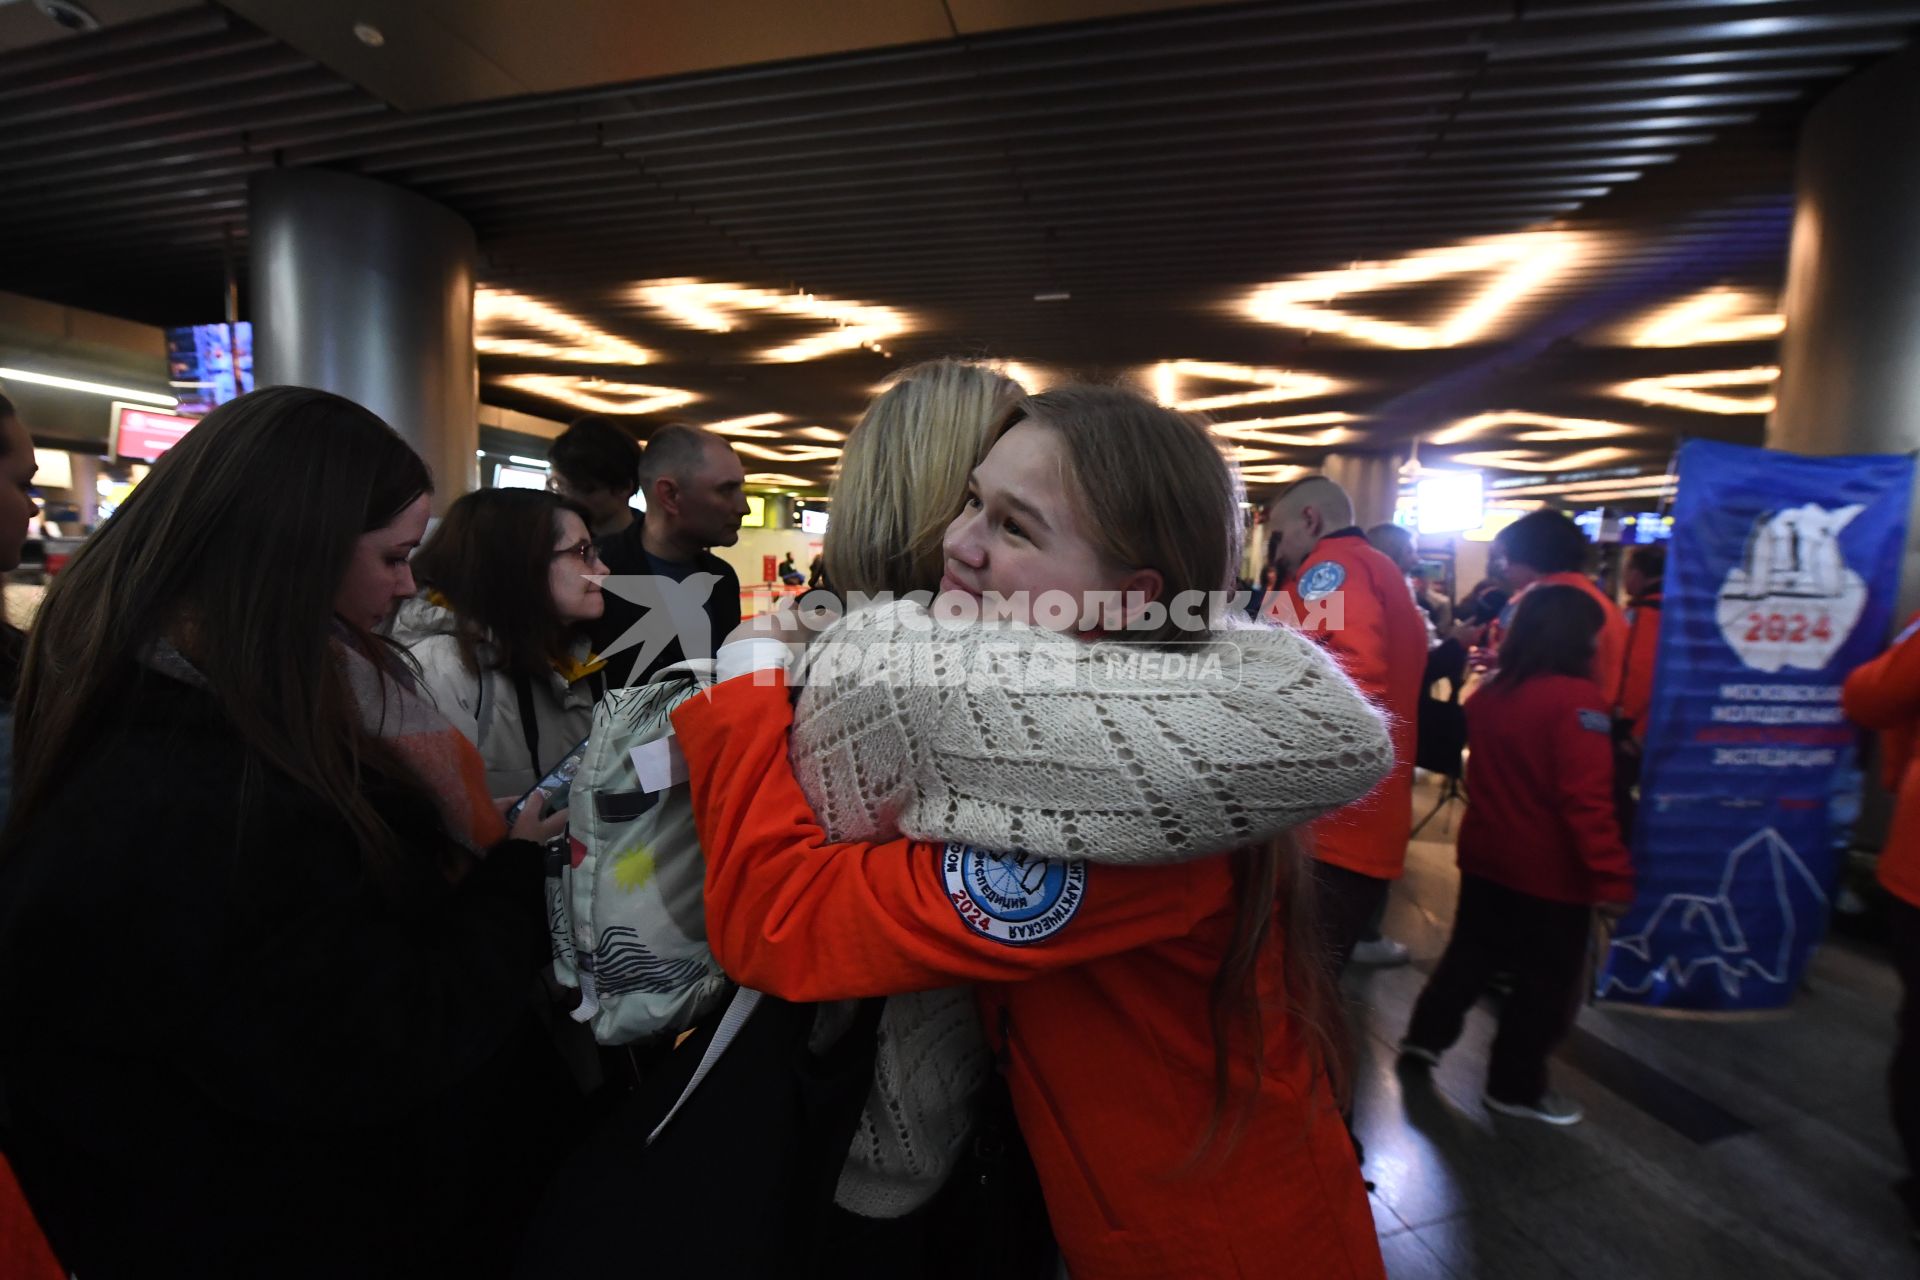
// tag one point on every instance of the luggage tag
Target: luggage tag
(660, 763)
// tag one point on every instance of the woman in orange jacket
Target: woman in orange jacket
(1885, 695)
(1539, 850)
(1547, 549)
(1177, 1102)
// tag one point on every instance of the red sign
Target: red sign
(769, 569)
(145, 434)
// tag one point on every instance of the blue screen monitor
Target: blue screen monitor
(209, 364)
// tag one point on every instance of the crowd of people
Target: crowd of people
(274, 984)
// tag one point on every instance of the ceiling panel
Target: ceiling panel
(1467, 215)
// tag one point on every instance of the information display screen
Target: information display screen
(209, 364)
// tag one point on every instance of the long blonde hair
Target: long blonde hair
(903, 474)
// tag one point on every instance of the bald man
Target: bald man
(695, 493)
(1355, 601)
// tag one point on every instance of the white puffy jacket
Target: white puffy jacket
(486, 707)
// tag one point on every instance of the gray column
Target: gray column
(1850, 360)
(1372, 480)
(366, 290)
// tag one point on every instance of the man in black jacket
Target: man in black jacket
(668, 597)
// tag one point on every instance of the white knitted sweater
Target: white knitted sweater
(1025, 739)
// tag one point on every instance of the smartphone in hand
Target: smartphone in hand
(554, 789)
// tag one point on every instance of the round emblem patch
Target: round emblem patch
(1013, 898)
(1322, 580)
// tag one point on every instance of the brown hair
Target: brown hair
(491, 558)
(903, 474)
(1555, 632)
(233, 548)
(1182, 505)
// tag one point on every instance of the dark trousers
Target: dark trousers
(1348, 906)
(1543, 944)
(1904, 1079)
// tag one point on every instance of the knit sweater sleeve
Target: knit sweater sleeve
(1018, 738)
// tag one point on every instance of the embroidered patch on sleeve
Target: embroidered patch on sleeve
(1322, 580)
(1013, 898)
(1598, 721)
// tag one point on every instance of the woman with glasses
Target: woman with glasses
(509, 584)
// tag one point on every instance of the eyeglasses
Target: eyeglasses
(582, 549)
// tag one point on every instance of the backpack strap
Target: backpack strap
(739, 1009)
(529, 726)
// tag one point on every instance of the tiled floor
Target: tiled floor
(1748, 1150)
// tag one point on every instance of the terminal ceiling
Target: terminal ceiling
(1543, 238)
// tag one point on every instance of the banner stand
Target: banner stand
(1781, 578)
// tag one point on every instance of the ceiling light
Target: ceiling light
(92, 388)
(1615, 487)
(1715, 315)
(1534, 460)
(1277, 473)
(1260, 430)
(369, 35)
(595, 395)
(827, 434)
(1690, 390)
(774, 478)
(1032, 378)
(1549, 428)
(789, 454)
(499, 311)
(1270, 386)
(716, 308)
(754, 426)
(1055, 295)
(1519, 265)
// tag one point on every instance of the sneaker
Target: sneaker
(1550, 1109)
(1418, 1054)
(1381, 953)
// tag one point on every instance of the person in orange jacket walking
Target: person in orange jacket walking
(1885, 695)
(1355, 601)
(1539, 850)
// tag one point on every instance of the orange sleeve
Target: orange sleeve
(1360, 644)
(1351, 623)
(1643, 646)
(1610, 653)
(1885, 693)
(793, 913)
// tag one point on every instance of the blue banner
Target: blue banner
(1780, 580)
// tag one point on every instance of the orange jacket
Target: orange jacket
(1885, 695)
(1093, 987)
(1379, 637)
(1643, 646)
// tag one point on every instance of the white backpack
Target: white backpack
(627, 915)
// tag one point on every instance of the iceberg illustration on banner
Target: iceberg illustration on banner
(1752, 929)
(1793, 601)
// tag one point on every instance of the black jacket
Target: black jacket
(226, 1053)
(625, 553)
